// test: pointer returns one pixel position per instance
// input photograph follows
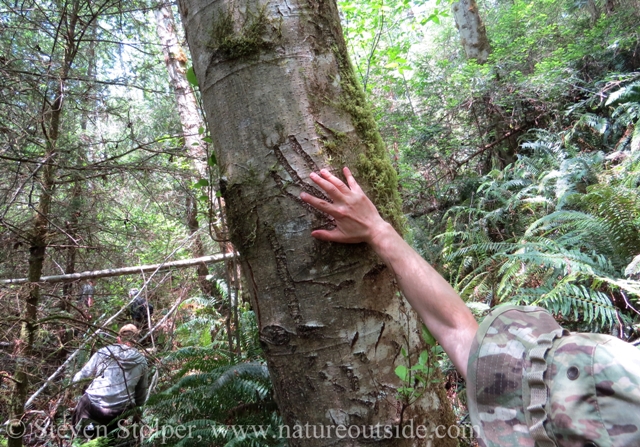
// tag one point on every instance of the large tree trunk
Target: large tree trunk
(282, 101)
(473, 34)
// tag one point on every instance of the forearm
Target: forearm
(439, 306)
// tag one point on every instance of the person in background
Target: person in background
(140, 309)
(85, 300)
(529, 381)
(119, 381)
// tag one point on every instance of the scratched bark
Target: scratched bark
(330, 318)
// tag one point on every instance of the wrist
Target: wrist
(381, 235)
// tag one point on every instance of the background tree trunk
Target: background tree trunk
(38, 238)
(176, 62)
(473, 34)
(193, 130)
(282, 101)
(192, 126)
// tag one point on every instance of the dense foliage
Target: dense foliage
(520, 175)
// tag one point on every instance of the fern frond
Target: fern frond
(628, 93)
(568, 299)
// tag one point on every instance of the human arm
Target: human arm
(357, 220)
(88, 370)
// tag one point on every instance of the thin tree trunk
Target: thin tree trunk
(38, 238)
(76, 195)
(176, 62)
(71, 229)
(473, 34)
(192, 128)
(282, 100)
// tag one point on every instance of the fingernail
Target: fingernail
(313, 174)
(303, 195)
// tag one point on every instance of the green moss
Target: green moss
(373, 164)
(256, 34)
(333, 142)
(365, 152)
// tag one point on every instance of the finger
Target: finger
(328, 187)
(351, 180)
(316, 202)
(335, 181)
(326, 235)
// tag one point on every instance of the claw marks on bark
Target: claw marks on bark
(354, 339)
(288, 284)
(375, 349)
(333, 288)
(376, 314)
(353, 380)
(298, 181)
(275, 335)
(308, 161)
(279, 181)
(310, 164)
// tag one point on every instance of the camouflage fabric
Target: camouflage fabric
(532, 383)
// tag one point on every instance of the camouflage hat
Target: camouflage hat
(532, 383)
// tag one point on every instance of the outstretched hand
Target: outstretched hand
(356, 217)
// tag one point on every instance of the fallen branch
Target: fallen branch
(126, 270)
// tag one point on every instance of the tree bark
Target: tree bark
(282, 100)
(473, 34)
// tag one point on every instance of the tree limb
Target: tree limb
(220, 257)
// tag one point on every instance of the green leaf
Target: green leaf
(211, 161)
(402, 372)
(403, 352)
(200, 130)
(201, 183)
(424, 357)
(427, 337)
(218, 194)
(204, 198)
(207, 140)
(191, 77)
